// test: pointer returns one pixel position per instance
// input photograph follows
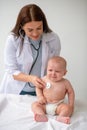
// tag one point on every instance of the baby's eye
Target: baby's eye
(50, 70)
(57, 71)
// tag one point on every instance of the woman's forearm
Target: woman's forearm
(22, 77)
(35, 80)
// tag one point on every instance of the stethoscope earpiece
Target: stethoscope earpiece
(21, 35)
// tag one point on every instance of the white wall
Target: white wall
(68, 18)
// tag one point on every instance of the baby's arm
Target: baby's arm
(70, 92)
(40, 95)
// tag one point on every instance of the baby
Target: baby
(51, 98)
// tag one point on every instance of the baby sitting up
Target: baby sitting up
(51, 98)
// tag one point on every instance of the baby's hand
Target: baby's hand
(42, 100)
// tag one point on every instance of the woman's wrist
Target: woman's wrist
(23, 77)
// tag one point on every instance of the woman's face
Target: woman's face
(33, 29)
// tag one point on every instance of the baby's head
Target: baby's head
(56, 68)
(58, 60)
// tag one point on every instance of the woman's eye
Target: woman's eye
(38, 28)
(30, 30)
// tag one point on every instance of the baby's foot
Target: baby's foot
(40, 118)
(63, 119)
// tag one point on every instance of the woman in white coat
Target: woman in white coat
(28, 48)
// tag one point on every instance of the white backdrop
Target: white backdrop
(68, 18)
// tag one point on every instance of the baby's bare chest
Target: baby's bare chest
(55, 90)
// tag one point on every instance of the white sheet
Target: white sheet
(16, 114)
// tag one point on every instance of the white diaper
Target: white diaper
(51, 108)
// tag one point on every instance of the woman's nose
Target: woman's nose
(35, 33)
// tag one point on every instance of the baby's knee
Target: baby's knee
(34, 105)
(65, 110)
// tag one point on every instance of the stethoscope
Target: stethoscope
(37, 50)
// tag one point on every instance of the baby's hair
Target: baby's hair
(58, 59)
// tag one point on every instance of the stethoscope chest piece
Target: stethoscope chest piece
(48, 85)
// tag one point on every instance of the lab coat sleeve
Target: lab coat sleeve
(57, 45)
(10, 56)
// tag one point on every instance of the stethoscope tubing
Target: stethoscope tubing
(37, 49)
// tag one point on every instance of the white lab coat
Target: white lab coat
(19, 58)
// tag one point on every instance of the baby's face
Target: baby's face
(55, 71)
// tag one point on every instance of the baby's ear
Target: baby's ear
(65, 72)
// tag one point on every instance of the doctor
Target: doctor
(28, 48)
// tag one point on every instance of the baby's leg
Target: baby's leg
(63, 119)
(64, 112)
(40, 118)
(39, 112)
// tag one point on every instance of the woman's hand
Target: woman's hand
(36, 81)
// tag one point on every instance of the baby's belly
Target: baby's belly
(53, 99)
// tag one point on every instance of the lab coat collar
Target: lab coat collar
(46, 37)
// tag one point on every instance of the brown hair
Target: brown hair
(27, 14)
